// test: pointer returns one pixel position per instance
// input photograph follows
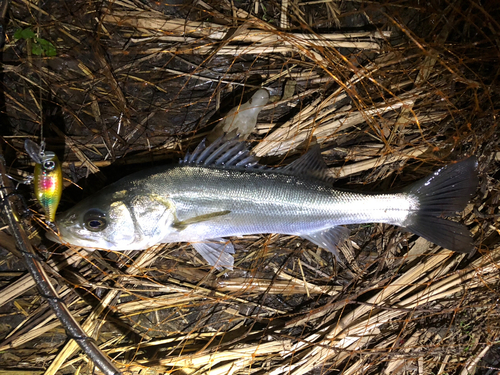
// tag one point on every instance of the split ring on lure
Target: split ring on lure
(47, 179)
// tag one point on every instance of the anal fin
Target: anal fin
(329, 238)
(217, 252)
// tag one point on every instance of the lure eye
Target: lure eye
(95, 220)
(49, 165)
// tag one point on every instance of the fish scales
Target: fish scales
(265, 202)
(219, 191)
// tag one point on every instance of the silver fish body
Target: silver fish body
(204, 199)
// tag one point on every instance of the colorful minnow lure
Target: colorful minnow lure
(47, 178)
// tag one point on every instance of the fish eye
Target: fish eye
(49, 164)
(95, 220)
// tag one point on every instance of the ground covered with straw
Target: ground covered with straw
(390, 90)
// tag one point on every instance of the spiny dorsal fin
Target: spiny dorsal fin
(233, 153)
(311, 164)
(222, 153)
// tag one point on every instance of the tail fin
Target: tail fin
(442, 194)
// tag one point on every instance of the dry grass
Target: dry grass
(390, 91)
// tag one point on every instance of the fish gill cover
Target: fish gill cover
(391, 92)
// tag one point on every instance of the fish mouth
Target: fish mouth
(53, 237)
(57, 238)
(59, 234)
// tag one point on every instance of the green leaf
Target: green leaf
(42, 42)
(51, 50)
(36, 49)
(17, 34)
(28, 33)
(47, 47)
(24, 34)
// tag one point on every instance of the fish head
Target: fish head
(116, 220)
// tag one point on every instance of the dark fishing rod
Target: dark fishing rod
(45, 288)
(3, 23)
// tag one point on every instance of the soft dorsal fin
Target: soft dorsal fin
(222, 153)
(311, 164)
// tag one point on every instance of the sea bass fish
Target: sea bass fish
(220, 191)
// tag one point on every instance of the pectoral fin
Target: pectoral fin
(329, 238)
(180, 225)
(217, 252)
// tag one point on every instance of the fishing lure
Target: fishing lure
(47, 178)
